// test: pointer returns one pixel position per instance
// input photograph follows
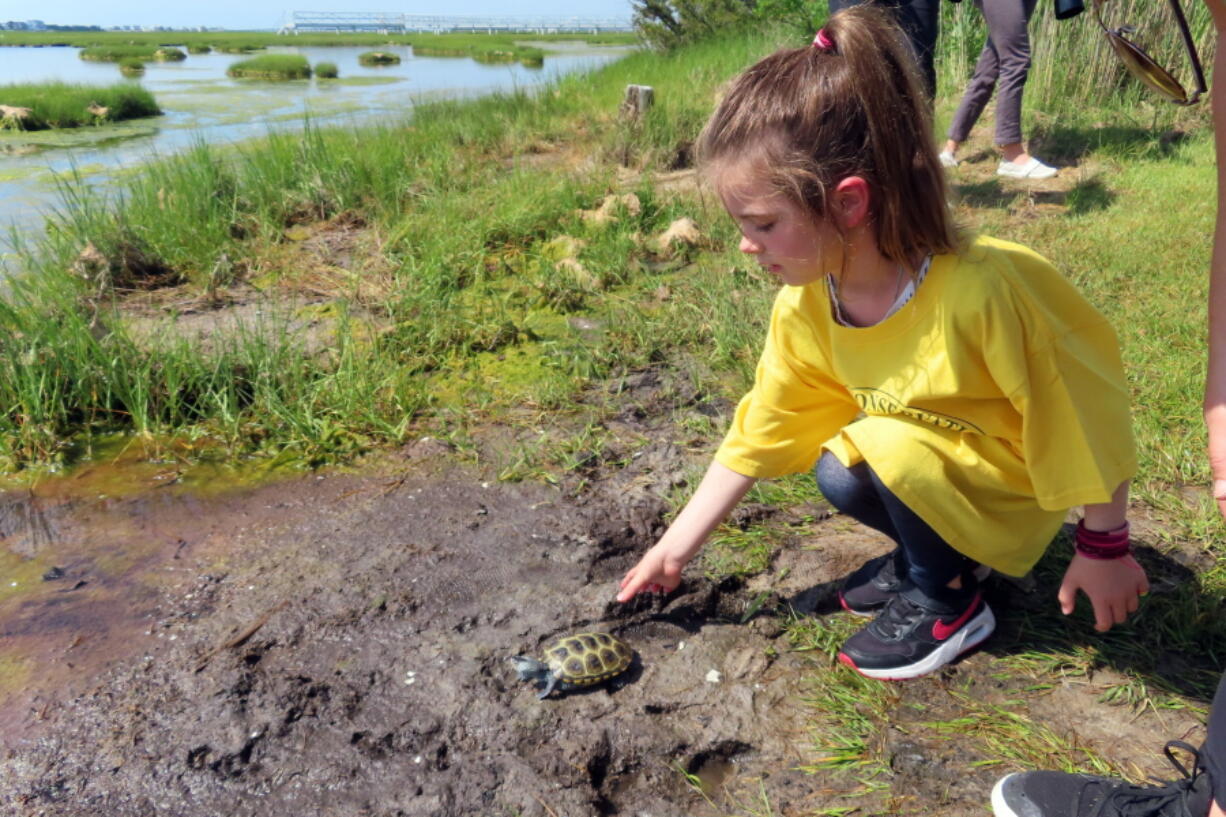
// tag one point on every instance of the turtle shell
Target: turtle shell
(587, 658)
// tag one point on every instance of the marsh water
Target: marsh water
(201, 103)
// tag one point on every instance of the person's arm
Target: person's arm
(715, 497)
(1112, 585)
(1215, 385)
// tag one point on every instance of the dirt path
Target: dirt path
(338, 644)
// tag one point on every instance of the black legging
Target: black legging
(1213, 753)
(919, 19)
(858, 492)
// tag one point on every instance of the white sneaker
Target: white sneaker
(1033, 169)
(947, 159)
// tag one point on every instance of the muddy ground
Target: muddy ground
(337, 645)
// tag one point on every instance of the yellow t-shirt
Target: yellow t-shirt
(993, 401)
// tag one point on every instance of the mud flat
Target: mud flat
(350, 656)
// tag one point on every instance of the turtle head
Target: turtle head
(530, 669)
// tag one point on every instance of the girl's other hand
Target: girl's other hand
(656, 572)
(1113, 586)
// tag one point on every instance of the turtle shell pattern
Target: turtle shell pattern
(588, 658)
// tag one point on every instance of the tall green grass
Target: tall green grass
(326, 70)
(462, 229)
(1073, 65)
(65, 105)
(272, 66)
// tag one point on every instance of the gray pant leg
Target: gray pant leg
(1003, 65)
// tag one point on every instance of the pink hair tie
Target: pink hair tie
(822, 41)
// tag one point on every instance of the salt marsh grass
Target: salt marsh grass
(326, 70)
(65, 105)
(378, 58)
(115, 53)
(272, 66)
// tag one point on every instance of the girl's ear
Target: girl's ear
(851, 202)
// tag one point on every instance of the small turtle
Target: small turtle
(576, 660)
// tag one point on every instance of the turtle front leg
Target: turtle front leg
(551, 681)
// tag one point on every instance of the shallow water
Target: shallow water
(201, 103)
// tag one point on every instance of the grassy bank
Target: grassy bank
(272, 66)
(64, 105)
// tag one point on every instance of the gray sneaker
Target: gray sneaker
(1058, 794)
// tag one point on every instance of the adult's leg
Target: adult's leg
(919, 19)
(1213, 753)
(1007, 21)
(975, 97)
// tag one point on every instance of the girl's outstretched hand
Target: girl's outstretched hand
(1114, 587)
(657, 571)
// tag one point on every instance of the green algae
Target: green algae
(31, 141)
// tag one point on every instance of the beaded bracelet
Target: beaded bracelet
(1112, 544)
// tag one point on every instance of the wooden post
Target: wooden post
(639, 99)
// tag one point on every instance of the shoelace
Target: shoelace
(1149, 801)
(898, 617)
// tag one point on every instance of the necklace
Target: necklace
(835, 301)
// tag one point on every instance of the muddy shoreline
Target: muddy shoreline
(337, 644)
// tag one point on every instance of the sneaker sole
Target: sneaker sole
(972, 635)
(999, 807)
(981, 573)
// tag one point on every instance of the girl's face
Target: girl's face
(783, 237)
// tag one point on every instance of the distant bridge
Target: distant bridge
(391, 23)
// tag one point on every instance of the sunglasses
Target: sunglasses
(1142, 65)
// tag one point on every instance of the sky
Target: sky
(255, 14)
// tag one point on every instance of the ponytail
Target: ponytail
(851, 104)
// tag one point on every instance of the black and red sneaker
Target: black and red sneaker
(873, 584)
(878, 580)
(915, 634)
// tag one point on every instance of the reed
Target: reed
(272, 66)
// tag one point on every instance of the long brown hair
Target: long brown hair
(814, 116)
